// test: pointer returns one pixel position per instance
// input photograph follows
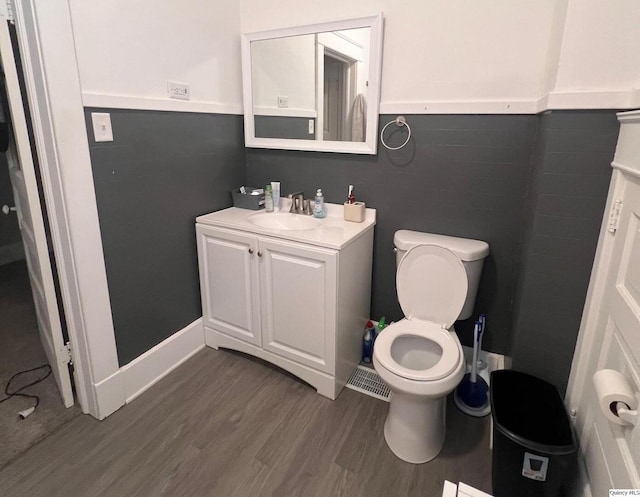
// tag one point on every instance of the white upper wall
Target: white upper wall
(127, 51)
(600, 51)
(450, 56)
(284, 67)
(438, 52)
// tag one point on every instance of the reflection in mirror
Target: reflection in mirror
(285, 74)
(313, 87)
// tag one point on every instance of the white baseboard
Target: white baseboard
(494, 361)
(583, 487)
(11, 253)
(146, 370)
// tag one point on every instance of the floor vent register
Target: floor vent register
(367, 381)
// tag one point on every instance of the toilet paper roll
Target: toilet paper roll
(612, 387)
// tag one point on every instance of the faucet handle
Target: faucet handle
(308, 207)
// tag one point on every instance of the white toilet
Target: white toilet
(420, 357)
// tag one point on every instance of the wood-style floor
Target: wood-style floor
(226, 425)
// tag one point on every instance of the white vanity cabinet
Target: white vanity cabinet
(295, 304)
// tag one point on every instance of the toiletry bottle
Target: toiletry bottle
(275, 194)
(319, 207)
(367, 347)
(381, 325)
(351, 198)
(268, 199)
(372, 329)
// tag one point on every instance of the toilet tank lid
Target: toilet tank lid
(465, 248)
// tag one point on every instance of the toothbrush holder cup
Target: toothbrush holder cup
(354, 212)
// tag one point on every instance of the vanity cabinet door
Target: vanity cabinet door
(298, 286)
(228, 264)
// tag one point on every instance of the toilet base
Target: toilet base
(415, 427)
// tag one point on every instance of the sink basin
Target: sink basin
(284, 221)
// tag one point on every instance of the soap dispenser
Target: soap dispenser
(319, 209)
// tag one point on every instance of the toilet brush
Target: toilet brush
(471, 395)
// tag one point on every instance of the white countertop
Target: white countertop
(334, 232)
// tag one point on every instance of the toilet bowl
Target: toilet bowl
(420, 357)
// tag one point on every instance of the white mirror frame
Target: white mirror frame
(369, 146)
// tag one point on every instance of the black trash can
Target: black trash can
(534, 447)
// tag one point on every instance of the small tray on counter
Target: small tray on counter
(246, 200)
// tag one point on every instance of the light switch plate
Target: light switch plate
(102, 131)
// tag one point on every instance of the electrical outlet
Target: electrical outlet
(102, 131)
(283, 102)
(178, 90)
(311, 126)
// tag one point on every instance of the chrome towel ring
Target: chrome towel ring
(399, 121)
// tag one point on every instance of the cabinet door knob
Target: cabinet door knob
(251, 251)
(259, 254)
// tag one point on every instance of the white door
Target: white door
(610, 332)
(298, 294)
(25, 192)
(228, 262)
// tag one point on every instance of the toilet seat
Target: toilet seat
(449, 352)
(432, 288)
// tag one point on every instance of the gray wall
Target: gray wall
(460, 175)
(161, 171)
(294, 128)
(533, 187)
(569, 185)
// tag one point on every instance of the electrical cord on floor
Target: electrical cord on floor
(20, 393)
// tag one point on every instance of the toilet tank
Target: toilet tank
(472, 253)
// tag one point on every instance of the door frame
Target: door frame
(580, 376)
(47, 48)
(22, 173)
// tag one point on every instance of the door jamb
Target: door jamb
(45, 38)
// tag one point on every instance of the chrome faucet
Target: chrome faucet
(297, 202)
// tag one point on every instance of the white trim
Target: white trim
(449, 489)
(627, 169)
(553, 101)
(630, 116)
(47, 50)
(149, 368)
(144, 371)
(493, 361)
(613, 99)
(369, 146)
(103, 100)
(461, 107)
(465, 490)
(110, 395)
(288, 112)
(11, 253)
(583, 488)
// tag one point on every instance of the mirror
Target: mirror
(313, 87)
